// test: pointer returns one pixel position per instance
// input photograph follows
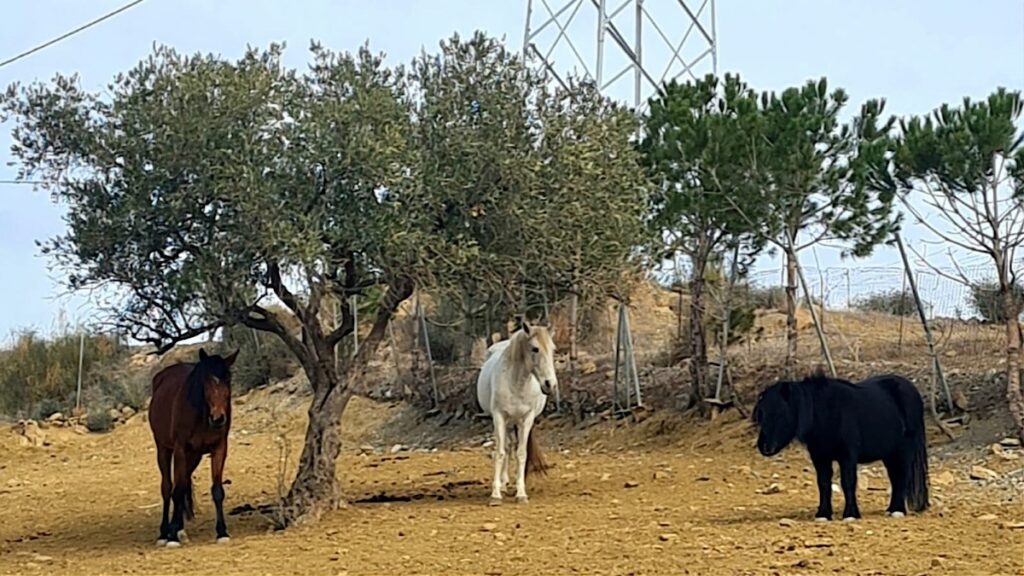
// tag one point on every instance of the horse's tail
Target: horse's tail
(190, 505)
(917, 484)
(534, 457)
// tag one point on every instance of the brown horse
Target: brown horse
(190, 415)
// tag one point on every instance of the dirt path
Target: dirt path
(700, 505)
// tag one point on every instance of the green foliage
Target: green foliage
(987, 301)
(828, 180)
(893, 302)
(99, 420)
(41, 375)
(262, 359)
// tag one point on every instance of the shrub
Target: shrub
(45, 408)
(99, 420)
(262, 359)
(987, 302)
(894, 302)
(35, 369)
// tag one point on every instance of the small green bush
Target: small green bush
(894, 302)
(99, 420)
(987, 302)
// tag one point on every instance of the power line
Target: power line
(66, 35)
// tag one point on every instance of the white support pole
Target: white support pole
(81, 360)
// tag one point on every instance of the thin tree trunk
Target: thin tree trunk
(791, 325)
(698, 337)
(574, 359)
(1014, 395)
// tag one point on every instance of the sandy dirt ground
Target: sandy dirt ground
(650, 498)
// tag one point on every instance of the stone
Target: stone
(982, 473)
(945, 478)
(1013, 525)
(1010, 442)
(114, 413)
(987, 517)
(127, 412)
(773, 488)
(1000, 451)
(668, 537)
(55, 417)
(488, 527)
(660, 475)
(631, 484)
(397, 448)
(787, 522)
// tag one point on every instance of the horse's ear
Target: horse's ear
(231, 358)
(524, 324)
(202, 354)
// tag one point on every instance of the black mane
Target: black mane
(210, 366)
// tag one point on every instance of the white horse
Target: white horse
(513, 385)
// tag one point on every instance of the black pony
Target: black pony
(881, 418)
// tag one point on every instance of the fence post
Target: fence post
(631, 356)
(81, 358)
(936, 364)
(354, 306)
(814, 315)
(430, 356)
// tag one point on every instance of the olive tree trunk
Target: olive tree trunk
(792, 331)
(1014, 395)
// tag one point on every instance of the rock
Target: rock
(987, 517)
(660, 475)
(1013, 525)
(366, 449)
(960, 401)
(630, 484)
(945, 478)
(127, 412)
(773, 488)
(115, 414)
(30, 433)
(937, 562)
(664, 523)
(606, 477)
(817, 543)
(489, 527)
(1003, 453)
(1010, 443)
(488, 443)
(787, 523)
(669, 537)
(55, 417)
(982, 473)
(397, 448)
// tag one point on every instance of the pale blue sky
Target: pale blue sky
(916, 53)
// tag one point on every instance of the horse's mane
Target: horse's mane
(194, 386)
(819, 379)
(518, 350)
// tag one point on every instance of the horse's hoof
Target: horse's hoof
(161, 542)
(494, 501)
(822, 519)
(224, 540)
(896, 514)
(522, 500)
(182, 535)
(174, 544)
(850, 519)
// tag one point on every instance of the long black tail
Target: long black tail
(917, 490)
(917, 485)
(190, 505)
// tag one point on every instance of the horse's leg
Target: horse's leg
(897, 466)
(217, 459)
(163, 460)
(823, 469)
(848, 479)
(521, 446)
(500, 446)
(179, 493)
(512, 438)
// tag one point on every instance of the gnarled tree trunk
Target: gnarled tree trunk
(698, 335)
(1014, 394)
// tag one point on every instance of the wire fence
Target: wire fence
(867, 314)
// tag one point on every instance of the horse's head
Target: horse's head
(214, 373)
(539, 352)
(777, 415)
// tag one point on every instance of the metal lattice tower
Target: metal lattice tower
(628, 47)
